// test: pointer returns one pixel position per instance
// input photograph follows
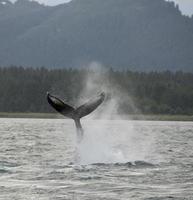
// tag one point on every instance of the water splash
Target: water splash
(104, 141)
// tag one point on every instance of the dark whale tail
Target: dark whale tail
(75, 113)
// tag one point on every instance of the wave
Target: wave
(135, 164)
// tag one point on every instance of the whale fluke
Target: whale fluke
(75, 113)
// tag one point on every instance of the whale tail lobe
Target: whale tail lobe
(75, 113)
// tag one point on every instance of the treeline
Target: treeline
(24, 89)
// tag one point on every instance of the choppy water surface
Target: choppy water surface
(121, 160)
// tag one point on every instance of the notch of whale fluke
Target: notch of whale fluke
(75, 113)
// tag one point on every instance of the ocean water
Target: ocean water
(117, 160)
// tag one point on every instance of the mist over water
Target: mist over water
(114, 142)
(104, 141)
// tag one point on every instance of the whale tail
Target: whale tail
(75, 113)
(72, 112)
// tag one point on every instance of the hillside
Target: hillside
(132, 34)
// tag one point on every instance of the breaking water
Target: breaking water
(117, 160)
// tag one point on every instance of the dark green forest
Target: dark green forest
(24, 89)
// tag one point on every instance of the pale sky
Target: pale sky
(186, 6)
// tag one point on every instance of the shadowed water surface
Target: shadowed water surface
(154, 160)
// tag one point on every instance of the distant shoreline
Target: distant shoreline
(124, 117)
